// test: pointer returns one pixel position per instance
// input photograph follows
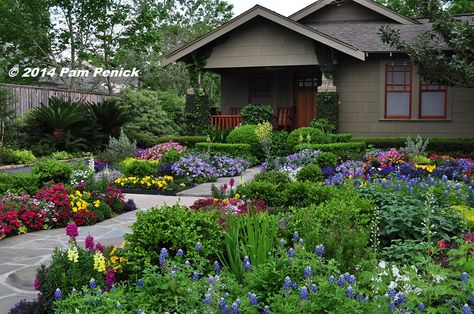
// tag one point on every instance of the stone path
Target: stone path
(22, 254)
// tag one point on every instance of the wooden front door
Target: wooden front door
(305, 100)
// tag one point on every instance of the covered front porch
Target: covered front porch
(290, 90)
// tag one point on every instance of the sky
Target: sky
(284, 7)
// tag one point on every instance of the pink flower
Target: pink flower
(110, 278)
(99, 247)
(71, 230)
(89, 243)
(441, 244)
(36, 283)
(232, 182)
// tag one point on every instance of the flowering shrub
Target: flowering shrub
(59, 196)
(379, 158)
(156, 152)
(230, 206)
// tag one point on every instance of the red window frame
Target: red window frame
(427, 87)
(405, 87)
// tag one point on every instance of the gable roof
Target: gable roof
(272, 16)
(372, 5)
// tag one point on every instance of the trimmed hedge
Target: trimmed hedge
(245, 134)
(314, 136)
(257, 113)
(341, 138)
(343, 151)
(188, 141)
(235, 150)
(456, 147)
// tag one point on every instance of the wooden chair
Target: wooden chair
(285, 116)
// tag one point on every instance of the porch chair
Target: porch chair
(284, 117)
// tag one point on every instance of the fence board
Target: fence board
(25, 97)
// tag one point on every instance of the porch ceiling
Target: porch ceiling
(265, 13)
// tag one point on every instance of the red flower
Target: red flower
(469, 238)
(441, 244)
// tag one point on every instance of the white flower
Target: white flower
(417, 291)
(395, 271)
(402, 278)
(392, 285)
(382, 264)
(438, 278)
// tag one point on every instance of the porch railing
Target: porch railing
(225, 121)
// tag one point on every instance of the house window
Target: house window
(433, 99)
(398, 82)
(260, 88)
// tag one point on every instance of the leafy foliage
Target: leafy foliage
(415, 147)
(119, 148)
(52, 170)
(310, 172)
(257, 113)
(305, 135)
(246, 134)
(110, 118)
(328, 108)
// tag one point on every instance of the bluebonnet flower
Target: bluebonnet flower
(223, 306)
(421, 307)
(140, 283)
(307, 272)
(188, 263)
(319, 250)
(282, 242)
(466, 309)
(235, 307)
(472, 298)
(211, 280)
(296, 236)
(304, 293)
(341, 281)
(291, 253)
(172, 273)
(195, 276)
(266, 310)
(350, 292)
(163, 255)
(391, 305)
(174, 267)
(92, 283)
(208, 299)
(294, 284)
(58, 294)
(313, 288)
(140, 312)
(400, 298)
(118, 305)
(391, 293)
(180, 253)
(217, 268)
(198, 246)
(332, 279)
(360, 297)
(287, 283)
(464, 277)
(253, 298)
(248, 266)
(301, 241)
(351, 279)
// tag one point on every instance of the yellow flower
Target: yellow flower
(22, 229)
(237, 196)
(73, 254)
(114, 259)
(99, 261)
(97, 203)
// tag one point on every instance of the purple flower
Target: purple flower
(313, 288)
(71, 230)
(180, 253)
(400, 298)
(266, 309)
(350, 292)
(291, 253)
(235, 307)
(319, 250)
(466, 309)
(253, 298)
(223, 306)
(58, 294)
(208, 299)
(99, 247)
(332, 279)
(296, 236)
(391, 293)
(110, 277)
(351, 279)
(287, 283)
(211, 280)
(307, 272)
(195, 276)
(464, 277)
(472, 298)
(198, 246)
(140, 283)
(163, 255)
(92, 283)
(36, 283)
(304, 293)
(248, 266)
(89, 243)
(217, 268)
(421, 307)
(341, 281)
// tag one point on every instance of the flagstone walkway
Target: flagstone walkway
(20, 255)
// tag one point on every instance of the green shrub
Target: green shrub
(268, 192)
(172, 227)
(344, 151)
(62, 155)
(341, 224)
(310, 172)
(17, 132)
(245, 134)
(196, 114)
(109, 116)
(16, 156)
(170, 156)
(52, 170)
(234, 150)
(188, 141)
(118, 149)
(143, 139)
(256, 113)
(19, 183)
(304, 135)
(340, 138)
(328, 107)
(218, 135)
(326, 159)
(275, 177)
(132, 167)
(301, 194)
(420, 160)
(279, 144)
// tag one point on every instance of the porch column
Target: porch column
(327, 85)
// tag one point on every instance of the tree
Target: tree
(415, 8)
(6, 112)
(443, 55)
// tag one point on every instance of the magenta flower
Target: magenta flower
(71, 230)
(89, 243)
(232, 182)
(110, 278)
(36, 283)
(99, 247)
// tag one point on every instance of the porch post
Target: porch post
(327, 85)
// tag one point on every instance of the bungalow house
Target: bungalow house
(266, 58)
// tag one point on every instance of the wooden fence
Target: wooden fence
(25, 97)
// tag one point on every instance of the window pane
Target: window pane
(432, 104)
(399, 78)
(398, 104)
